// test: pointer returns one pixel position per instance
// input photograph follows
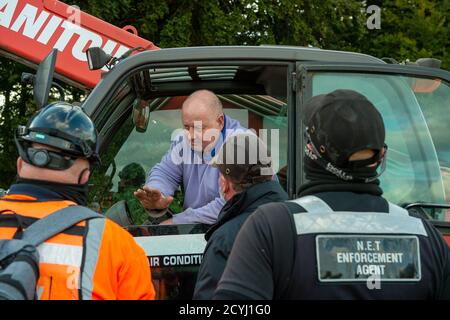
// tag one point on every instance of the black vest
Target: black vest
(356, 254)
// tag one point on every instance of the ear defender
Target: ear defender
(47, 159)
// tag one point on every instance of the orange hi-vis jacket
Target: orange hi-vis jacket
(94, 260)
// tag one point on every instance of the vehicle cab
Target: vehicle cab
(136, 107)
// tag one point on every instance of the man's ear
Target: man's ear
(223, 183)
(221, 120)
(227, 186)
(19, 166)
(84, 176)
(221, 180)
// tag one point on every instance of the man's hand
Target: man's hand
(152, 199)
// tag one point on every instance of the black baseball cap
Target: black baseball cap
(341, 123)
(244, 159)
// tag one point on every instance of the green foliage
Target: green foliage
(16, 107)
(410, 29)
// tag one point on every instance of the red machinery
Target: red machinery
(29, 29)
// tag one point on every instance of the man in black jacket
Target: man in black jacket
(341, 239)
(245, 185)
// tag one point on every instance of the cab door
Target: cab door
(137, 116)
(415, 104)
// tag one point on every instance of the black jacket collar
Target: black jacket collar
(246, 201)
(40, 193)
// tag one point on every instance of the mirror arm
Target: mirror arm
(62, 96)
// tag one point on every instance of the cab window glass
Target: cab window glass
(129, 163)
(434, 99)
(137, 125)
(413, 173)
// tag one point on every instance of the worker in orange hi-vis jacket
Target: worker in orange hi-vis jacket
(94, 259)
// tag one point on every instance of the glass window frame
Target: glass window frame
(305, 72)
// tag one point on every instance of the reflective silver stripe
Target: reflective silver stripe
(92, 250)
(313, 204)
(62, 254)
(172, 244)
(358, 222)
(39, 292)
(394, 209)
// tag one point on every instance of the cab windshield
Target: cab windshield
(416, 120)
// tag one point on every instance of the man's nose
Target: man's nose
(195, 133)
(198, 134)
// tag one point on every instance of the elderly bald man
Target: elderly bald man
(186, 163)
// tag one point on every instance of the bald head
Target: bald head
(206, 100)
(203, 119)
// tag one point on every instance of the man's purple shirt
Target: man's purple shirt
(202, 201)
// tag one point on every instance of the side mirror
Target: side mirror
(426, 85)
(429, 63)
(44, 78)
(431, 211)
(120, 214)
(97, 58)
(141, 114)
